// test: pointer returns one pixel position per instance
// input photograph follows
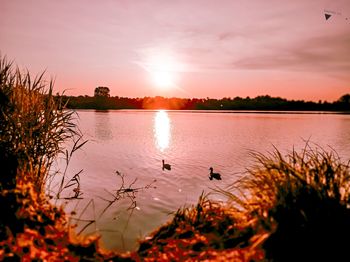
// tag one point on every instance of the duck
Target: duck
(214, 175)
(166, 166)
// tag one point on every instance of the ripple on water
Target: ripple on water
(128, 141)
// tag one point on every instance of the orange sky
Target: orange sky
(183, 48)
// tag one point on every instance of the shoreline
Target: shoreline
(301, 112)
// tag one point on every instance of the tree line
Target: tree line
(258, 103)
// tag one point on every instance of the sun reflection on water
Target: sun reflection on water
(162, 130)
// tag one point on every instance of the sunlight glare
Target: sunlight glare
(163, 69)
(163, 79)
(162, 130)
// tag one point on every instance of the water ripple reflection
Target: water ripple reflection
(162, 127)
(134, 142)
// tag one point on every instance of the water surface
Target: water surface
(135, 142)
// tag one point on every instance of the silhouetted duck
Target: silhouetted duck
(214, 175)
(166, 166)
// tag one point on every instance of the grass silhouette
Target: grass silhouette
(34, 125)
(302, 200)
(33, 128)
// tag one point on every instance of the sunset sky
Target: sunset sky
(187, 48)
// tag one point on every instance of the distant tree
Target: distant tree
(102, 91)
(345, 99)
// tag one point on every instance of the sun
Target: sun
(163, 70)
(163, 79)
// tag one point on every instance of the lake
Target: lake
(134, 142)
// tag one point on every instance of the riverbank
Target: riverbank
(33, 229)
(295, 208)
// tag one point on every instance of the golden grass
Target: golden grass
(206, 231)
(33, 127)
(303, 200)
(33, 124)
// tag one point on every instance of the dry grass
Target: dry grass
(302, 200)
(33, 124)
(33, 229)
(208, 231)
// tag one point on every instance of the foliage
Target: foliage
(345, 99)
(258, 103)
(102, 91)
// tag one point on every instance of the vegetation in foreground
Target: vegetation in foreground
(33, 128)
(293, 208)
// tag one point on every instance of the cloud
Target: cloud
(316, 54)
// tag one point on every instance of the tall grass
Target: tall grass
(33, 126)
(302, 200)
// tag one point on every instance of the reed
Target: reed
(34, 124)
(302, 200)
